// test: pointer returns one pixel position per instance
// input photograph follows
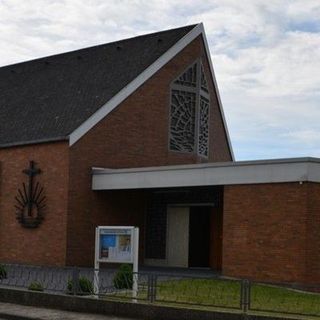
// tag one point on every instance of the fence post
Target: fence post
(249, 295)
(154, 292)
(152, 286)
(245, 295)
(149, 293)
(75, 280)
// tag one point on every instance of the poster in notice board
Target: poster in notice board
(116, 245)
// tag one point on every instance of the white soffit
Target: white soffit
(143, 77)
(223, 173)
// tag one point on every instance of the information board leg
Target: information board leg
(96, 282)
(96, 265)
(135, 264)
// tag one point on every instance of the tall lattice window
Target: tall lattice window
(189, 112)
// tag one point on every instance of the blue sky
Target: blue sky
(266, 55)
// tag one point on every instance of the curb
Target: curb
(8, 316)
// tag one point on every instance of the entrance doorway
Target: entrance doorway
(178, 236)
(199, 237)
(194, 237)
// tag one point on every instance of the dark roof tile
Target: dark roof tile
(46, 99)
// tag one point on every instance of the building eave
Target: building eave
(211, 174)
(31, 142)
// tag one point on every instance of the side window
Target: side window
(189, 112)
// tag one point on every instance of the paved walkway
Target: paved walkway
(10, 311)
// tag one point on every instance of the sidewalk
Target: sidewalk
(10, 311)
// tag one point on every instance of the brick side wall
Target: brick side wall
(46, 244)
(128, 207)
(265, 231)
(135, 134)
(313, 235)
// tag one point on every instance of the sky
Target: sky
(266, 56)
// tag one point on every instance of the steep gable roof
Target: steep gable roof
(65, 95)
(47, 99)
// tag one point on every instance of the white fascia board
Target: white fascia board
(206, 175)
(314, 171)
(143, 77)
(217, 91)
(134, 85)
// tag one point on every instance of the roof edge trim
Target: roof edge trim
(30, 142)
(259, 162)
(143, 77)
(217, 91)
(212, 174)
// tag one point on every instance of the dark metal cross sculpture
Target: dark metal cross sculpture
(30, 200)
(31, 172)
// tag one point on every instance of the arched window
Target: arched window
(189, 112)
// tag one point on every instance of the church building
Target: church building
(132, 133)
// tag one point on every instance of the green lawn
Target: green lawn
(207, 293)
(284, 300)
(226, 293)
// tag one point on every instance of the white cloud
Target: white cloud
(290, 69)
(308, 137)
(266, 55)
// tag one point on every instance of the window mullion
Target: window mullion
(179, 87)
(205, 94)
(197, 108)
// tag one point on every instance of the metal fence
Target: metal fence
(48, 279)
(295, 299)
(177, 289)
(200, 291)
(204, 291)
(69, 280)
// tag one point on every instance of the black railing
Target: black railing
(200, 290)
(204, 291)
(34, 277)
(284, 298)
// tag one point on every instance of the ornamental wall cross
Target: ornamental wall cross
(30, 200)
(31, 172)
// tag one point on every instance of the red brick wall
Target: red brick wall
(265, 231)
(45, 245)
(122, 208)
(216, 224)
(135, 134)
(313, 235)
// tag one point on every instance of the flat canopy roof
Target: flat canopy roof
(209, 174)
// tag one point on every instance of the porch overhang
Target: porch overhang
(209, 174)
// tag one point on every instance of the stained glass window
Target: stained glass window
(183, 106)
(203, 127)
(189, 112)
(189, 77)
(204, 83)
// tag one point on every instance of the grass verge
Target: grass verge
(226, 294)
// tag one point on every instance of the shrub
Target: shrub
(3, 272)
(84, 285)
(123, 279)
(35, 286)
